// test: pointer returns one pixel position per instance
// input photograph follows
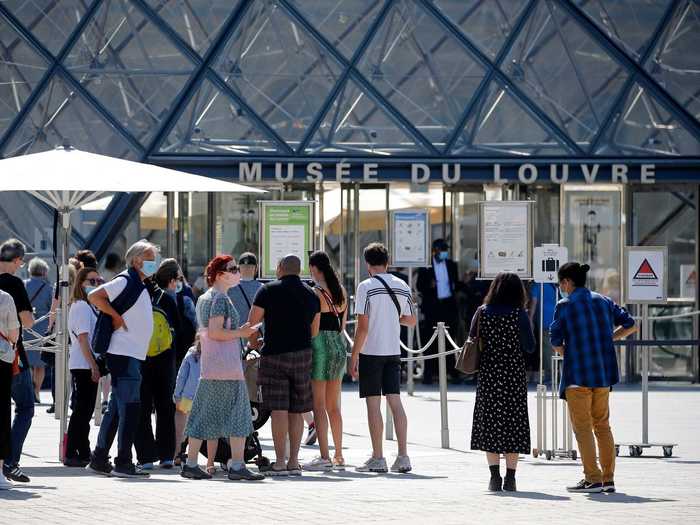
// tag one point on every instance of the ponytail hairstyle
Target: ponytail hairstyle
(321, 261)
(575, 272)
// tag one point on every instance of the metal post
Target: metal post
(61, 371)
(410, 386)
(170, 225)
(541, 388)
(645, 374)
(555, 417)
(442, 369)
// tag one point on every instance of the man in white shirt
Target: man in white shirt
(127, 349)
(382, 303)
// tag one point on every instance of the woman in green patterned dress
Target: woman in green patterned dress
(329, 362)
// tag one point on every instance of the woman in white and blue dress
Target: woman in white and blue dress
(221, 407)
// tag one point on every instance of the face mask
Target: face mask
(443, 256)
(178, 287)
(149, 268)
(563, 293)
(89, 289)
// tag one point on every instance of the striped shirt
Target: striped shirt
(583, 324)
(373, 299)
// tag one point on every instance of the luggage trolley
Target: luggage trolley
(560, 421)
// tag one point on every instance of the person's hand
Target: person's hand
(354, 366)
(118, 322)
(247, 331)
(95, 372)
(255, 342)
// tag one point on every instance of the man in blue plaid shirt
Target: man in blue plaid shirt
(583, 330)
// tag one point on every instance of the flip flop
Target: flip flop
(294, 471)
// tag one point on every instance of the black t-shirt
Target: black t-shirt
(15, 287)
(290, 307)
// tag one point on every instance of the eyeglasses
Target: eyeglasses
(232, 269)
(95, 282)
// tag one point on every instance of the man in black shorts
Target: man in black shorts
(382, 303)
(291, 311)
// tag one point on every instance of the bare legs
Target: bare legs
(376, 425)
(180, 424)
(284, 423)
(495, 459)
(38, 374)
(327, 407)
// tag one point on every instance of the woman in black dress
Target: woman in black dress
(501, 424)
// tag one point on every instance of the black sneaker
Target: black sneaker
(194, 472)
(101, 467)
(15, 474)
(104, 407)
(495, 484)
(243, 474)
(509, 484)
(75, 462)
(608, 486)
(311, 435)
(129, 471)
(586, 487)
(51, 409)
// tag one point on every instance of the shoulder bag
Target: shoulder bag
(391, 294)
(468, 358)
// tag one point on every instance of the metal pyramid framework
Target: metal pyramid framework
(148, 79)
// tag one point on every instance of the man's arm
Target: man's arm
(408, 320)
(256, 316)
(361, 330)
(621, 332)
(316, 325)
(100, 300)
(26, 318)
(556, 334)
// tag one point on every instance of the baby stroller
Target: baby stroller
(253, 449)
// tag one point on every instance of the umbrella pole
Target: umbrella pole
(62, 336)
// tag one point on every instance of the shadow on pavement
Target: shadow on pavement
(529, 495)
(59, 471)
(621, 497)
(18, 495)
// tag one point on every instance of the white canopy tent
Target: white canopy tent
(66, 179)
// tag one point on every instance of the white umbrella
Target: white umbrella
(66, 179)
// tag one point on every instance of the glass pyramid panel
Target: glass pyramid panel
(278, 69)
(424, 71)
(564, 71)
(675, 63)
(21, 68)
(129, 66)
(645, 128)
(487, 23)
(61, 115)
(343, 22)
(501, 126)
(213, 123)
(356, 124)
(629, 22)
(50, 22)
(197, 21)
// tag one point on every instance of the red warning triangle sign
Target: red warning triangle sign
(645, 271)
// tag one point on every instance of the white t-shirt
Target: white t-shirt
(8, 321)
(373, 299)
(132, 342)
(81, 320)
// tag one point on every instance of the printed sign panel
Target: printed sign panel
(410, 236)
(286, 229)
(646, 271)
(546, 262)
(505, 238)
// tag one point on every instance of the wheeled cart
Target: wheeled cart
(560, 421)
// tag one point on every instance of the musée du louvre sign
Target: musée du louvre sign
(448, 172)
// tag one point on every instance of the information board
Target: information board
(410, 238)
(286, 228)
(546, 261)
(505, 238)
(646, 274)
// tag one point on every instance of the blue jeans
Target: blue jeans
(23, 396)
(123, 409)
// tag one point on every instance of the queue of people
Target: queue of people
(201, 395)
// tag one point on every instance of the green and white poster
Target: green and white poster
(287, 228)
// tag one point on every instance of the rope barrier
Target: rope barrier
(455, 348)
(669, 317)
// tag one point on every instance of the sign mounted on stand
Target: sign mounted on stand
(546, 261)
(646, 274)
(505, 238)
(410, 238)
(286, 228)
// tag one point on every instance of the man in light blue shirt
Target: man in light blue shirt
(243, 295)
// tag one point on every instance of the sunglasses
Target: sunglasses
(232, 269)
(95, 282)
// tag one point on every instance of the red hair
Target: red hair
(216, 266)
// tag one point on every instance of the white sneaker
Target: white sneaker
(401, 465)
(5, 484)
(318, 464)
(373, 465)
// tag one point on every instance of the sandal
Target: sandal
(294, 471)
(211, 470)
(339, 463)
(271, 471)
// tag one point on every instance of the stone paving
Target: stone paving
(446, 486)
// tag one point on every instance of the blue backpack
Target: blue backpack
(102, 335)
